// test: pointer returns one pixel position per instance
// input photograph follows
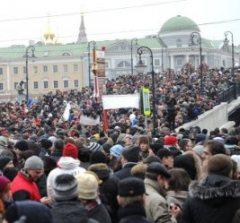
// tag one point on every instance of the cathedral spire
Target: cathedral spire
(82, 37)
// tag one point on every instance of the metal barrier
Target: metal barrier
(229, 94)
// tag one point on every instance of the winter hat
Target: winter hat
(98, 157)
(4, 161)
(65, 187)
(139, 171)
(131, 187)
(220, 164)
(32, 211)
(170, 140)
(22, 145)
(87, 186)
(70, 150)
(198, 149)
(101, 169)
(116, 151)
(3, 183)
(157, 169)
(34, 163)
(93, 146)
(219, 139)
(53, 139)
(200, 138)
(186, 162)
(131, 155)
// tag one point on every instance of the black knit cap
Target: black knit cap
(131, 187)
(4, 161)
(159, 169)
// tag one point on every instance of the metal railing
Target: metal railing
(229, 94)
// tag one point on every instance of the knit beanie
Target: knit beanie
(3, 183)
(220, 164)
(170, 140)
(65, 187)
(93, 147)
(116, 151)
(87, 186)
(34, 163)
(70, 150)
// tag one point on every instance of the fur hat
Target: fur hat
(131, 187)
(65, 187)
(139, 171)
(101, 169)
(70, 150)
(220, 164)
(87, 186)
(158, 169)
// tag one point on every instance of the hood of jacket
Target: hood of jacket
(68, 163)
(215, 189)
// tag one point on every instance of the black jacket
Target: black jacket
(100, 214)
(214, 200)
(125, 171)
(69, 212)
(133, 213)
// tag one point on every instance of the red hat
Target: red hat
(70, 150)
(4, 181)
(170, 140)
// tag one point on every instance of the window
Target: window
(24, 70)
(1, 70)
(55, 84)
(75, 67)
(179, 43)
(179, 61)
(35, 69)
(65, 68)
(65, 83)
(45, 68)
(55, 68)
(76, 83)
(1, 86)
(45, 84)
(35, 85)
(123, 64)
(15, 85)
(156, 62)
(15, 70)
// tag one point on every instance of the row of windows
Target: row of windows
(45, 69)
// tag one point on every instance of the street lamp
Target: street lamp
(163, 45)
(29, 54)
(232, 70)
(93, 43)
(197, 39)
(133, 40)
(140, 51)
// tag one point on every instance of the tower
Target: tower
(82, 37)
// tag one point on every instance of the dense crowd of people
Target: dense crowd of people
(60, 171)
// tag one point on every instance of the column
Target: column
(172, 62)
(187, 58)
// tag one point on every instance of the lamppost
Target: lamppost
(91, 43)
(140, 51)
(163, 45)
(197, 39)
(29, 49)
(226, 41)
(133, 40)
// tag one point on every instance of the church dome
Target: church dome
(179, 23)
(49, 36)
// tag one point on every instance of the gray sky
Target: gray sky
(117, 24)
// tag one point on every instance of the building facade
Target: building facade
(65, 67)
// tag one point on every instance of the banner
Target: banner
(85, 120)
(66, 112)
(120, 101)
(145, 99)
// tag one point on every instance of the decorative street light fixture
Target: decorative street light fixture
(226, 41)
(29, 54)
(91, 43)
(133, 40)
(141, 68)
(196, 39)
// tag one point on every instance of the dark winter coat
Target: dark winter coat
(214, 200)
(69, 212)
(132, 213)
(125, 171)
(100, 214)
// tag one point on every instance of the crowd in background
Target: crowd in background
(56, 170)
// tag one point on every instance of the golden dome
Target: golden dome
(49, 36)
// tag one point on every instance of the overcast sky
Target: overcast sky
(117, 24)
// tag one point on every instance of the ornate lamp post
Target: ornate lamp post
(141, 68)
(133, 40)
(226, 41)
(196, 39)
(29, 54)
(90, 44)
